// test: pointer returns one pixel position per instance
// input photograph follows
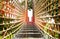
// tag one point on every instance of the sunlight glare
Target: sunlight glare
(30, 14)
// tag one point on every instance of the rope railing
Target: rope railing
(11, 18)
(47, 17)
(18, 25)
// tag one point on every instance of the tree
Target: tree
(29, 4)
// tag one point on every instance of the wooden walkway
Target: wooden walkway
(28, 32)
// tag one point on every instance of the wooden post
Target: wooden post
(26, 8)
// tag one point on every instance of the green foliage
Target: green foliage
(22, 3)
(30, 4)
(0, 37)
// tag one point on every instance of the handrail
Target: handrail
(11, 23)
(10, 28)
(10, 18)
(12, 32)
(45, 31)
(49, 29)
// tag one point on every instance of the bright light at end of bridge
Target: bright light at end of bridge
(30, 15)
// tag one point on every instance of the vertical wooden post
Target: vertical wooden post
(26, 8)
(33, 11)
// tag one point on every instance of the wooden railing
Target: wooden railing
(47, 17)
(11, 18)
